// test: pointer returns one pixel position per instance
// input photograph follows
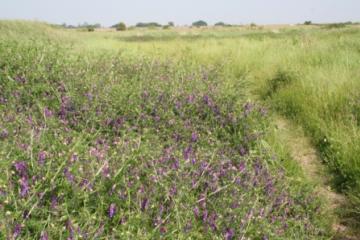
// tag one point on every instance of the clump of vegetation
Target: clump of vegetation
(222, 24)
(253, 25)
(307, 23)
(105, 145)
(148, 25)
(199, 23)
(121, 26)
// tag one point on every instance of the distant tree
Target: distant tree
(150, 24)
(307, 23)
(253, 25)
(121, 26)
(90, 28)
(220, 24)
(171, 24)
(199, 23)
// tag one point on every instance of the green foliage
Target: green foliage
(90, 28)
(199, 23)
(307, 23)
(148, 25)
(121, 26)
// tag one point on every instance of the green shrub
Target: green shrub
(121, 27)
(199, 23)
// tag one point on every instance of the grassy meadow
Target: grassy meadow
(170, 134)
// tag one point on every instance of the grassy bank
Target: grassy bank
(152, 134)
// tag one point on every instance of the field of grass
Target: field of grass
(168, 134)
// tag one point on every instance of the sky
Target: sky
(182, 12)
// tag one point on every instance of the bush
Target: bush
(199, 23)
(121, 27)
(307, 23)
(253, 25)
(150, 24)
(90, 28)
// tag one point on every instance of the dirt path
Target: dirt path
(305, 154)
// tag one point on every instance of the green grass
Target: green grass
(114, 114)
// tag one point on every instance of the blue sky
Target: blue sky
(108, 12)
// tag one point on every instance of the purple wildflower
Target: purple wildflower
(229, 234)
(212, 221)
(86, 184)
(144, 204)
(191, 98)
(112, 210)
(44, 236)
(17, 231)
(173, 191)
(70, 229)
(187, 152)
(48, 113)
(194, 137)
(205, 215)
(21, 168)
(208, 101)
(24, 187)
(242, 166)
(74, 158)
(69, 175)
(176, 164)
(41, 157)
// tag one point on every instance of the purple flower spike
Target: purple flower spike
(48, 113)
(24, 187)
(187, 152)
(44, 236)
(112, 210)
(41, 157)
(229, 234)
(196, 212)
(69, 176)
(21, 168)
(16, 231)
(191, 98)
(194, 137)
(144, 204)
